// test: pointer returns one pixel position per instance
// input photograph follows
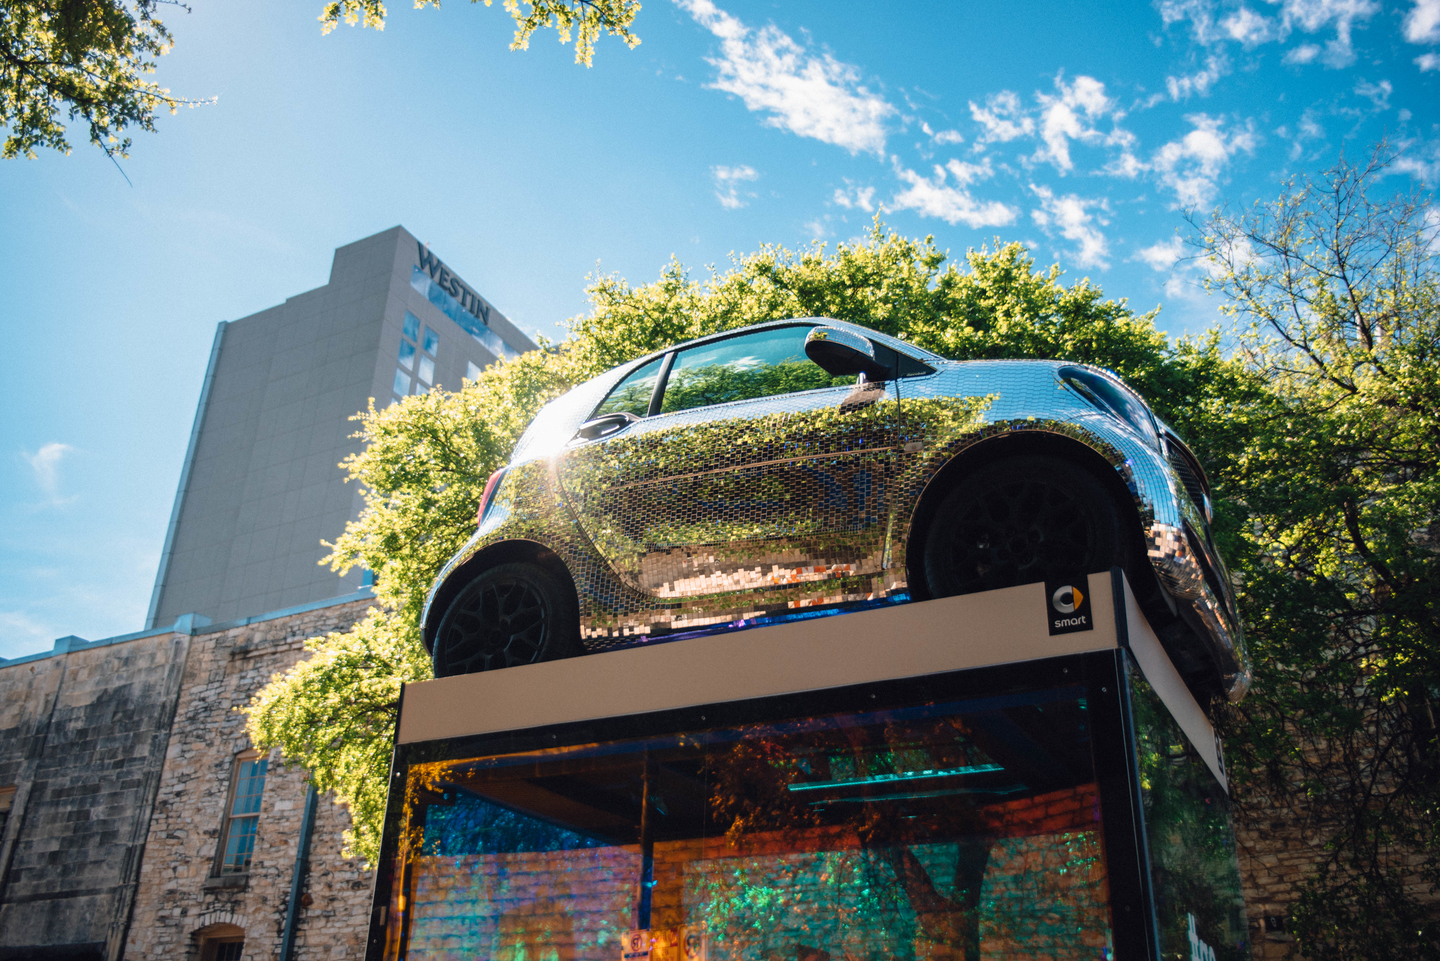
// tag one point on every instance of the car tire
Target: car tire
(511, 614)
(1019, 521)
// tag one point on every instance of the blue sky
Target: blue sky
(1082, 129)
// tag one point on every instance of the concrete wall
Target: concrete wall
(264, 486)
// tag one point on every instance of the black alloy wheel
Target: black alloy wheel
(1018, 521)
(511, 614)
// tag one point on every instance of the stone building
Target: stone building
(140, 822)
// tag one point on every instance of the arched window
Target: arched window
(221, 942)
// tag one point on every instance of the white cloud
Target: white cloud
(1162, 256)
(952, 204)
(1070, 215)
(1422, 23)
(45, 465)
(1428, 62)
(1310, 16)
(1431, 228)
(1306, 129)
(1313, 16)
(727, 184)
(1420, 160)
(943, 137)
(812, 95)
(1180, 88)
(1064, 118)
(23, 634)
(1003, 118)
(1249, 27)
(1126, 165)
(1376, 93)
(852, 197)
(1191, 165)
(1200, 13)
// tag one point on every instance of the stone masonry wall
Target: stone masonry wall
(178, 901)
(82, 738)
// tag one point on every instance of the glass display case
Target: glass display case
(1052, 808)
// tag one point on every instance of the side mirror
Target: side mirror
(840, 353)
(606, 425)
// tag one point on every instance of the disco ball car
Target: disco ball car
(813, 466)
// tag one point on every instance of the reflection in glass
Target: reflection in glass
(407, 354)
(412, 326)
(244, 818)
(427, 370)
(402, 383)
(451, 308)
(1194, 870)
(957, 831)
(472, 372)
(432, 341)
(761, 364)
(632, 395)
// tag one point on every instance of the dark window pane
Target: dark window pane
(229, 950)
(249, 786)
(239, 845)
(1195, 872)
(632, 395)
(761, 364)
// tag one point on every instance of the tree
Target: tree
(90, 60)
(1338, 302)
(585, 19)
(426, 459)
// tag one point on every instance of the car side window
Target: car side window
(632, 395)
(761, 364)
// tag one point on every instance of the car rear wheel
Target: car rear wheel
(1018, 521)
(516, 613)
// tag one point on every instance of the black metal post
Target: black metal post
(297, 876)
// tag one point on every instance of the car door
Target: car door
(743, 473)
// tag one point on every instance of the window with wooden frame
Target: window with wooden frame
(242, 814)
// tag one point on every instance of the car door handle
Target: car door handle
(606, 425)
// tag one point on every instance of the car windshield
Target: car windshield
(760, 364)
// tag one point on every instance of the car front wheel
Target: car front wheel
(516, 613)
(1018, 521)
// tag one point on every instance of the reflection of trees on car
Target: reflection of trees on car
(722, 383)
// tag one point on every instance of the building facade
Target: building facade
(141, 823)
(260, 488)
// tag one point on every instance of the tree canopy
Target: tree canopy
(1315, 417)
(1336, 295)
(426, 459)
(89, 62)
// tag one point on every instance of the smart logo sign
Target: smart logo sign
(472, 302)
(1067, 606)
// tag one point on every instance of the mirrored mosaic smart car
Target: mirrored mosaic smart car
(807, 467)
